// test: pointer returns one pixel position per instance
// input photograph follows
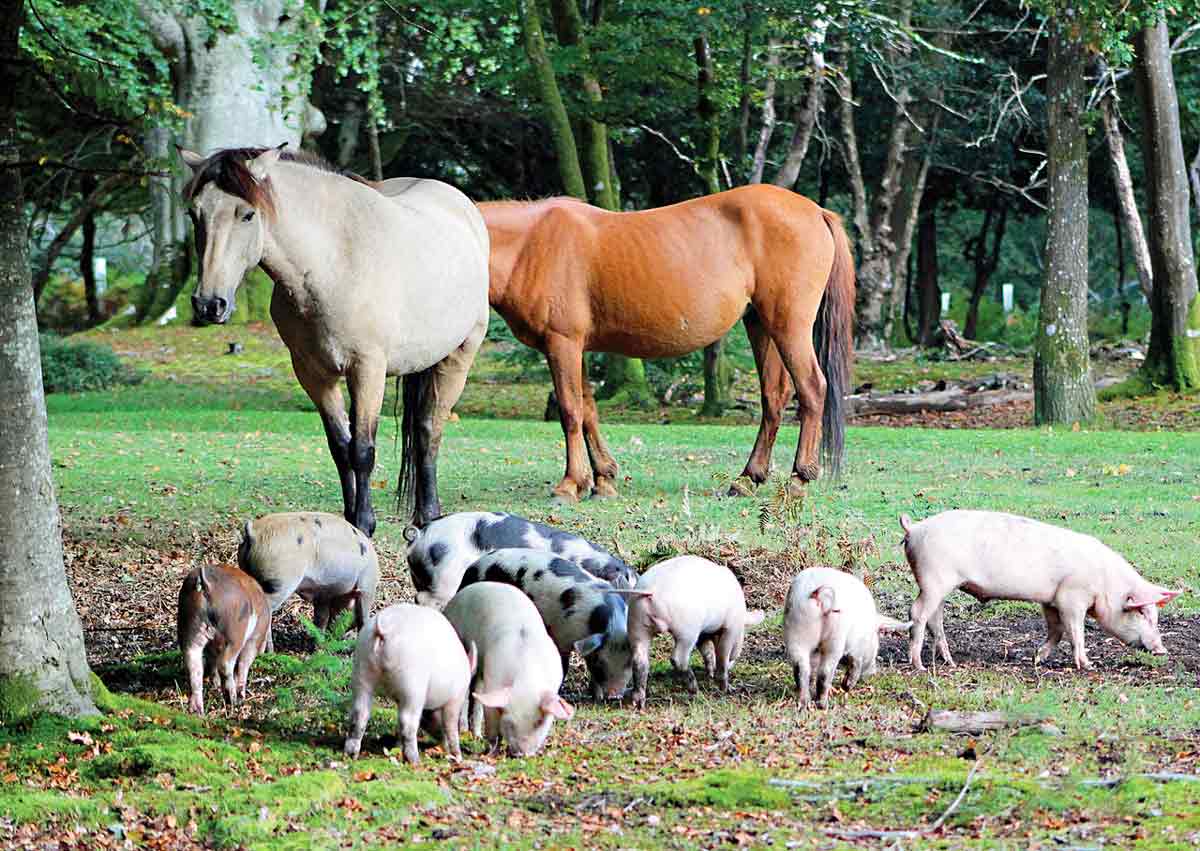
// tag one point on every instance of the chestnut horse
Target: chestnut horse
(568, 278)
(368, 284)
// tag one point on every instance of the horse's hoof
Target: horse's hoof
(742, 486)
(565, 497)
(604, 489)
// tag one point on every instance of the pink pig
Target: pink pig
(996, 556)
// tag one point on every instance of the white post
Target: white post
(1006, 292)
(100, 271)
(945, 303)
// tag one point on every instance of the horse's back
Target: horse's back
(433, 197)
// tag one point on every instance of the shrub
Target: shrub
(71, 367)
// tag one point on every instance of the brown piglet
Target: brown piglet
(222, 623)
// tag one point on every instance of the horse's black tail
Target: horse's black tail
(417, 387)
(834, 337)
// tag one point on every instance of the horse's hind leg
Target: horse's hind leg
(776, 386)
(603, 463)
(449, 378)
(565, 357)
(366, 380)
(326, 393)
(795, 344)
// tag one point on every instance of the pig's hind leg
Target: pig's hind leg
(1072, 620)
(1054, 634)
(939, 634)
(681, 660)
(729, 645)
(408, 721)
(927, 604)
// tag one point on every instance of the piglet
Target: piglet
(698, 602)
(414, 655)
(516, 683)
(440, 553)
(321, 557)
(830, 618)
(223, 621)
(581, 613)
(996, 556)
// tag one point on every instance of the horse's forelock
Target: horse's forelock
(227, 169)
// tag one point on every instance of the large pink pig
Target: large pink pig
(996, 556)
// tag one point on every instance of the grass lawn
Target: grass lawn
(152, 478)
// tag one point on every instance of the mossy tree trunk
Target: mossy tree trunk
(42, 661)
(1062, 383)
(717, 374)
(1173, 358)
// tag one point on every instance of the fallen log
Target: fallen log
(952, 721)
(951, 399)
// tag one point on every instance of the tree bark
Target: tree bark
(768, 114)
(1195, 175)
(807, 112)
(716, 371)
(42, 660)
(87, 256)
(552, 103)
(1173, 357)
(985, 261)
(1063, 391)
(743, 126)
(930, 299)
(165, 277)
(1126, 204)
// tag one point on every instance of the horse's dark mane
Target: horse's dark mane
(227, 169)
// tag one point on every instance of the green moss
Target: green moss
(32, 806)
(19, 699)
(725, 789)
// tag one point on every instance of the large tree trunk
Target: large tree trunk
(1062, 384)
(716, 370)
(559, 122)
(768, 114)
(984, 260)
(42, 661)
(1123, 183)
(1173, 357)
(236, 94)
(930, 299)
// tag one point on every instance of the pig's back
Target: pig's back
(689, 590)
(342, 555)
(992, 554)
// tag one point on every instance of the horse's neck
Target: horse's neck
(304, 246)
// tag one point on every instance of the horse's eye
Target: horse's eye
(248, 216)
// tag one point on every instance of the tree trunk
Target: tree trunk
(163, 279)
(743, 126)
(930, 300)
(552, 102)
(807, 112)
(716, 371)
(1063, 391)
(373, 147)
(1173, 357)
(42, 660)
(768, 114)
(985, 261)
(1123, 183)
(87, 256)
(1195, 175)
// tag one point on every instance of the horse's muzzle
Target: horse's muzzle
(210, 310)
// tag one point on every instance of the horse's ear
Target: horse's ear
(259, 165)
(190, 158)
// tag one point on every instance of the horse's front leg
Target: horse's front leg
(565, 357)
(326, 393)
(366, 379)
(603, 463)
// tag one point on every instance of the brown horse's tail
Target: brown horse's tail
(834, 335)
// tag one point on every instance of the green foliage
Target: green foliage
(19, 699)
(320, 682)
(71, 367)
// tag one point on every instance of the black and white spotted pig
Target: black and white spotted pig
(321, 557)
(581, 612)
(440, 553)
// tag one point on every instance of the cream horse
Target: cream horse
(371, 280)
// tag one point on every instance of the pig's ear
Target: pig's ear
(589, 645)
(825, 599)
(1151, 595)
(554, 705)
(497, 699)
